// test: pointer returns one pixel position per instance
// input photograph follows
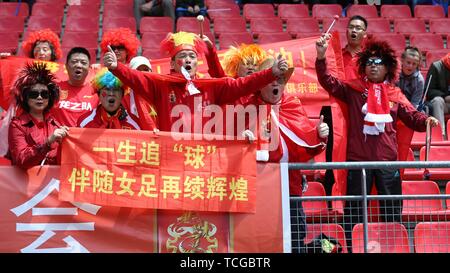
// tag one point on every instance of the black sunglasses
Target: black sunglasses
(36, 94)
(374, 61)
(119, 47)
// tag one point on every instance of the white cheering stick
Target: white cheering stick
(336, 17)
(200, 20)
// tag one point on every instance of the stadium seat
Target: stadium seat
(123, 2)
(393, 12)
(12, 24)
(418, 139)
(152, 53)
(447, 191)
(432, 237)
(302, 25)
(408, 26)
(290, 11)
(440, 26)
(320, 11)
(330, 230)
(217, 4)
(426, 41)
(84, 11)
(437, 153)
(378, 25)
(300, 35)
(13, 9)
(51, 2)
(38, 23)
(86, 2)
(269, 25)
(340, 25)
(117, 22)
(153, 40)
(315, 210)
(229, 25)
(382, 238)
(254, 11)
(429, 11)
(421, 210)
(190, 24)
(80, 24)
(156, 24)
(83, 39)
(234, 39)
(366, 11)
(47, 10)
(117, 10)
(267, 38)
(397, 42)
(9, 42)
(229, 12)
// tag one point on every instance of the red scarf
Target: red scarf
(111, 122)
(446, 61)
(376, 108)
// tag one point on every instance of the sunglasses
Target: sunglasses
(36, 94)
(374, 61)
(120, 47)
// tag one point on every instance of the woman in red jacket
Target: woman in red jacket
(34, 135)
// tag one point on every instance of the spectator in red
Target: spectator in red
(42, 45)
(34, 135)
(356, 35)
(109, 114)
(76, 95)
(124, 43)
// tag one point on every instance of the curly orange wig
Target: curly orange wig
(41, 36)
(245, 54)
(175, 42)
(121, 36)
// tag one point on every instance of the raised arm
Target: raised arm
(214, 66)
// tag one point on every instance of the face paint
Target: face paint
(180, 62)
(104, 94)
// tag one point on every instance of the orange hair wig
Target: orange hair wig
(121, 36)
(244, 54)
(41, 36)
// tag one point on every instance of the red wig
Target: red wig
(121, 37)
(45, 35)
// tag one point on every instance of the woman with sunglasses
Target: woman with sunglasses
(34, 135)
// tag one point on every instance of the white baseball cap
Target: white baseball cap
(138, 61)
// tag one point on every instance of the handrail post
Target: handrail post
(364, 208)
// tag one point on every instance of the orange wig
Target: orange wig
(244, 54)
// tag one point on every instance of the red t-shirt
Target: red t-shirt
(73, 102)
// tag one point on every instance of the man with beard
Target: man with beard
(109, 114)
(181, 87)
(76, 94)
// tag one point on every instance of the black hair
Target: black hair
(359, 17)
(75, 50)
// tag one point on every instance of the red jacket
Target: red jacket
(27, 141)
(167, 91)
(98, 118)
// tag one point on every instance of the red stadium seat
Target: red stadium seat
(47, 10)
(13, 9)
(118, 22)
(234, 39)
(379, 25)
(216, 4)
(300, 35)
(432, 237)
(86, 2)
(447, 191)
(117, 10)
(429, 11)
(382, 238)
(437, 153)
(12, 24)
(38, 23)
(254, 11)
(302, 25)
(153, 54)
(426, 41)
(9, 42)
(290, 11)
(330, 230)
(421, 210)
(156, 24)
(393, 12)
(80, 24)
(418, 139)
(315, 210)
(269, 25)
(84, 11)
(440, 26)
(190, 24)
(51, 2)
(366, 11)
(229, 25)
(228, 12)
(268, 38)
(340, 25)
(408, 26)
(397, 42)
(321, 11)
(83, 39)
(153, 40)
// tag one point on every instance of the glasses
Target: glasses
(36, 94)
(374, 61)
(120, 47)
(357, 28)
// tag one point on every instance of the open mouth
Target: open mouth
(275, 91)
(111, 100)
(353, 36)
(188, 67)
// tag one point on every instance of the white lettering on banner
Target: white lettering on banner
(78, 106)
(48, 228)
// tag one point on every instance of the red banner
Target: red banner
(35, 221)
(142, 169)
